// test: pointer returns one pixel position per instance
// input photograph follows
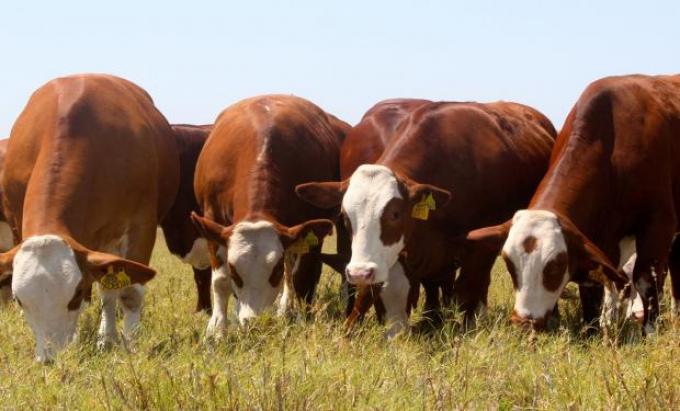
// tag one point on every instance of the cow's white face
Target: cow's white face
(45, 278)
(255, 266)
(375, 212)
(535, 253)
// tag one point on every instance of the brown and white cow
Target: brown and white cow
(364, 144)
(91, 165)
(489, 157)
(6, 232)
(610, 191)
(258, 151)
(181, 236)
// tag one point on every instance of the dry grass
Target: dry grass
(284, 364)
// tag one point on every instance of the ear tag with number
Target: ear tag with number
(114, 280)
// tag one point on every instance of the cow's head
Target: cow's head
(51, 275)
(251, 254)
(541, 252)
(379, 209)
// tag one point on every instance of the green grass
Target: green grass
(284, 364)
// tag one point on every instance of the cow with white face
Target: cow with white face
(613, 176)
(377, 207)
(262, 238)
(401, 204)
(91, 165)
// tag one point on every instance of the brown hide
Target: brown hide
(614, 171)
(258, 151)
(490, 157)
(91, 159)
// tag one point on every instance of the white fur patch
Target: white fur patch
(370, 188)
(6, 237)
(254, 250)
(198, 257)
(394, 295)
(532, 299)
(44, 279)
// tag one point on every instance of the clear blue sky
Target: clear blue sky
(196, 58)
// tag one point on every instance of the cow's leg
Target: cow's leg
(217, 325)
(344, 247)
(394, 296)
(366, 296)
(674, 268)
(131, 299)
(107, 327)
(472, 285)
(202, 279)
(5, 294)
(290, 265)
(306, 277)
(432, 312)
(591, 296)
(653, 245)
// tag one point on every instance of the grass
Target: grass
(296, 364)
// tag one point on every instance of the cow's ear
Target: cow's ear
(114, 272)
(587, 256)
(323, 195)
(337, 262)
(302, 237)
(489, 238)
(6, 263)
(210, 230)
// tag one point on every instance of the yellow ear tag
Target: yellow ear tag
(311, 239)
(421, 210)
(302, 245)
(114, 280)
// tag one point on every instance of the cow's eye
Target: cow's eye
(235, 277)
(277, 274)
(395, 215)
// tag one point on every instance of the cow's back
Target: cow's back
(258, 151)
(94, 149)
(490, 156)
(366, 141)
(619, 145)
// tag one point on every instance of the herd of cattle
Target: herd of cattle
(419, 193)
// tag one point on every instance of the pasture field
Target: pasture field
(297, 364)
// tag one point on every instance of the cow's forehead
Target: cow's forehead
(255, 240)
(535, 230)
(371, 187)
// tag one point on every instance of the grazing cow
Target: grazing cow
(363, 145)
(91, 165)
(6, 232)
(263, 237)
(489, 156)
(610, 191)
(180, 234)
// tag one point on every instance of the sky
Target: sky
(196, 58)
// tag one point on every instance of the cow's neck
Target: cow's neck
(579, 185)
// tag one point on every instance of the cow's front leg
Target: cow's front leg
(131, 300)
(107, 328)
(217, 326)
(286, 303)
